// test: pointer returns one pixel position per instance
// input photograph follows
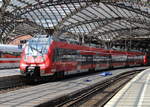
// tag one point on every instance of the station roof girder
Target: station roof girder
(103, 19)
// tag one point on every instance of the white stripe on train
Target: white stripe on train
(10, 59)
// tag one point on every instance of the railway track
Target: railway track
(11, 82)
(100, 98)
(85, 96)
(67, 92)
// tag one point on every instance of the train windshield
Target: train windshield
(37, 46)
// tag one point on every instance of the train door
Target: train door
(127, 64)
(0, 54)
(102, 61)
(110, 61)
(89, 61)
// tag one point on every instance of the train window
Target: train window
(55, 56)
(38, 46)
(0, 54)
(93, 45)
(19, 46)
(16, 53)
(55, 39)
(74, 42)
(11, 53)
(119, 58)
(65, 55)
(62, 40)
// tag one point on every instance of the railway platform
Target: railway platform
(36, 95)
(136, 93)
(9, 72)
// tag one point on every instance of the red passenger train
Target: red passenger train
(57, 57)
(9, 56)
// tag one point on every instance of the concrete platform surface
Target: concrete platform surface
(9, 72)
(136, 93)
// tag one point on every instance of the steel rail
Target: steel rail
(81, 96)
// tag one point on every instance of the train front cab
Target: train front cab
(147, 59)
(36, 58)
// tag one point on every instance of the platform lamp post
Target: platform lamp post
(125, 44)
(130, 34)
(83, 39)
(80, 39)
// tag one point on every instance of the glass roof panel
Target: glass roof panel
(78, 18)
(72, 20)
(102, 10)
(108, 11)
(87, 14)
(84, 17)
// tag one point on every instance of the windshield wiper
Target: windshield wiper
(32, 48)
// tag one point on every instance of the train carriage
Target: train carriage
(52, 56)
(119, 58)
(135, 58)
(9, 56)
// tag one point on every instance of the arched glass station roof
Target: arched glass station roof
(116, 22)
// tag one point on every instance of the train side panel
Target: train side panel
(74, 58)
(9, 56)
(119, 59)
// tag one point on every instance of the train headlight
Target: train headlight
(23, 65)
(42, 65)
(42, 59)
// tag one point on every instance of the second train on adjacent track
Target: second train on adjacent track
(9, 56)
(51, 56)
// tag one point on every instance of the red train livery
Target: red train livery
(9, 56)
(56, 57)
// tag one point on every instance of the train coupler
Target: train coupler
(33, 71)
